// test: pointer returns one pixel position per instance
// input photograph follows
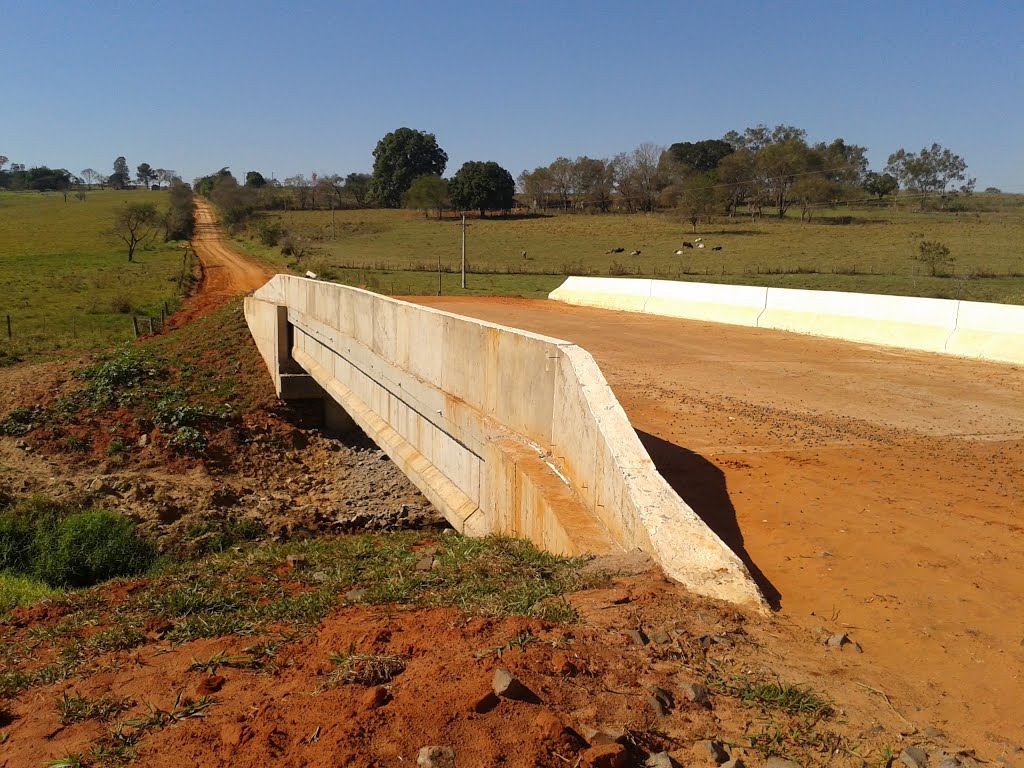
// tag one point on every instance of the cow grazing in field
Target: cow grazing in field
(717, 248)
(700, 245)
(698, 239)
(634, 253)
(615, 250)
(680, 252)
(687, 244)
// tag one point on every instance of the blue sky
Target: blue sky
(297, 87)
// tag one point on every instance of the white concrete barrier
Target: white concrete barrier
(732, 304)
(627, 294)
(895, 321)
(989, 331)
(503, 430)
(965, 328)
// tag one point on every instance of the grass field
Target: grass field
(67, 285)
(865, 249)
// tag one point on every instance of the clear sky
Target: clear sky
(297, 87)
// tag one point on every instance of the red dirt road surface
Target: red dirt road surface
(226, 273)
(873, 488)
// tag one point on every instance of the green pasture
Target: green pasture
(67, 285)
(864, 248)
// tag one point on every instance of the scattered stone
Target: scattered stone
(296, 562)
(355, 595)
(734, 763)
(697, 693)
(376, 697)
(425, 564)
(210, 685)
(716, 751)
(660, 636)
(319, 576)
(595, 736)
(508, 686)
(708, 640)
(663, 696)
(637, 636)
(914, 757)
(661, 760)
(436, 757)
(838, 640)
(657, 706)
(143, 440)
(100, 485)
(606, 756)
(948, 761)
(779, 762)
(932, 732)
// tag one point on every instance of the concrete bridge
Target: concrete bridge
(505, 431)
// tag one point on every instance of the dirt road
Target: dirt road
(226, 273)
(874, 490)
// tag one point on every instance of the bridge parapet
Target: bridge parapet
(504, 431)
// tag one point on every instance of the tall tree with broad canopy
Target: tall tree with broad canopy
(255, 179)
(145, 174)
(700, 156)
(485, 186)
(400, 157)
(120, 178)
(357, 186)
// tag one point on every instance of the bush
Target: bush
(269, 232)
(87, 548)
(16, 534)
(17, 591)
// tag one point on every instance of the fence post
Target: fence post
(8, 326)
(150, 325)
(135, 325)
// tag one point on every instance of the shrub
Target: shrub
(88, 547)
(16, 533)
(269, 232)
(189, 440)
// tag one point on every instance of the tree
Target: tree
(536, 186)
(760, 136)
(145, 174)
(428, 193)
(255, 179)
(3, 161)
(644, 165)
(166, 176)
(701, 156)
(563, 179)
(135, 224)
(933, 171)
(935, 255)
(180, 220)
(483, 186)
(778, 165)
(696, 198)
(357, 186)
(91, 177)
(120, 178)
(204, 185)
(594, 182)
(810, 190)
(400, 157)
(737, 175)
(880, 184)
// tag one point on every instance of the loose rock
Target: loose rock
(436, 757)
(715, 751)
(838, 640)
(637, 636)
(914, 757)
(661, 760)
(779, 762)
(508, 686)
(696, 693)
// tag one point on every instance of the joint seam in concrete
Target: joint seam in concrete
(956, 323)
(757, 320)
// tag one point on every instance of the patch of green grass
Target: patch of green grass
(784, 697)
(76, 708)
(852, 248)
(19, 591)
(65, 283)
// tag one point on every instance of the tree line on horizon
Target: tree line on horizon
(759, 168)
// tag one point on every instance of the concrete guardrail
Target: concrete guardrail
(964, 328)
(504, 431)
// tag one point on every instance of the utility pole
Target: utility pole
(463, 250)
(438, 273)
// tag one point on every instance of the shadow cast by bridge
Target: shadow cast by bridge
(702, 485)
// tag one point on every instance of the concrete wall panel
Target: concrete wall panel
(970, 329)
(503, 430)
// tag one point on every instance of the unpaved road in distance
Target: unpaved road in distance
(226, 272)
(872, 490)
